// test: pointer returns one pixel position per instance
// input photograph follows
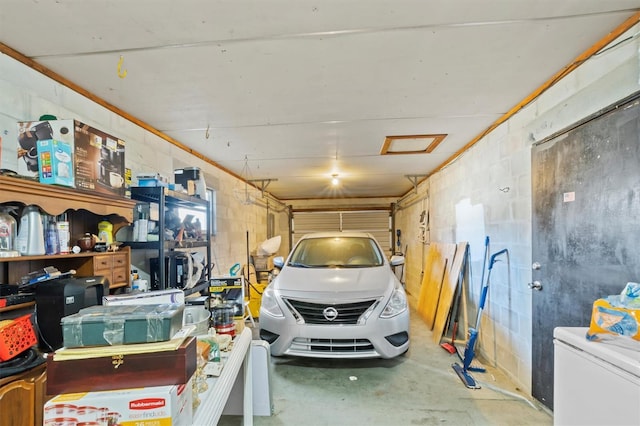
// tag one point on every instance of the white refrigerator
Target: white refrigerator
(595, 383)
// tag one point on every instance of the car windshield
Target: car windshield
(327, 252)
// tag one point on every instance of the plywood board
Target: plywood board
(448, 290)
(433, 255)
(430, 291)
(448, 252)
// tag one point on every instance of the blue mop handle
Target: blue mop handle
(493, 257)
(484, 260)
(483, 297)
(485, 288)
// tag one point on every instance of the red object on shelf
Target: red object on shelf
(16, 337)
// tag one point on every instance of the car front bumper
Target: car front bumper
(377, 338)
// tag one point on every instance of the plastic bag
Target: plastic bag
(618, 314)
(270, 246)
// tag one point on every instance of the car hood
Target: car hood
(348, 282)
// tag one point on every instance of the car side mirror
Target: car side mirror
(278, 262)
(395, 260)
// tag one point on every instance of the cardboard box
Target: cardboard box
(263, 263)
(228, 290)
(149, 406)
(100, 157)
(97, 156)
(116, 325)
(152, 180)
(127, 182)
(118, 369)
(29, 133)
(55, 162)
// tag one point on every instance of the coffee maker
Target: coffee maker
(110, 167)
(28, 139)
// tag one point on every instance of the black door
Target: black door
(586, 226)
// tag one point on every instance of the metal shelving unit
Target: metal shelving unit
(168, 199)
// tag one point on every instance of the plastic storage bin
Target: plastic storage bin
(116, 325)
(16, 337)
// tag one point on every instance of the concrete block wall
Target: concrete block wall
(27, 94)
(487, 191)
(415, 239)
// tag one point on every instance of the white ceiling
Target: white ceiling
(304, 89)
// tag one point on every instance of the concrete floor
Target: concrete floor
(419, 388)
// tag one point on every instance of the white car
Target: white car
(336, 296)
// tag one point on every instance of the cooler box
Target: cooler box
(117, 325)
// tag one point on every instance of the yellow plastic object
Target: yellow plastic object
(121, 73)
(105, 231)
(609, 319)
(255, 299)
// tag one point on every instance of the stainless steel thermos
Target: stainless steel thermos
(30, 239)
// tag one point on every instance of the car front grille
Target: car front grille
(314, 313)
(331, 346)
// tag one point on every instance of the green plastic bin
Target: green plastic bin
(117, 325)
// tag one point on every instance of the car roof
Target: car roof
(331, 234)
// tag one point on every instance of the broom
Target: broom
(450, 347)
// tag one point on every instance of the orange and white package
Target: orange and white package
(203, 350)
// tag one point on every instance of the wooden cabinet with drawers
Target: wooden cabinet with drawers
(113, 265)
(85, 211)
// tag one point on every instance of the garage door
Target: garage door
(375, 222)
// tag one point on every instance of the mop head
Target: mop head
(464, 375)
(475, 365)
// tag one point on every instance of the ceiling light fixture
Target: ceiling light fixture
(334, 180)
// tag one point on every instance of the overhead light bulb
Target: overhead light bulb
(334, 180)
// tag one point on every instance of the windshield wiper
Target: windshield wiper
(298, 265)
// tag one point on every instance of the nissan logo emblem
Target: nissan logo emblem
(330, 313)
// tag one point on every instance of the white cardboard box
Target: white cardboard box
(55, 162)
(160, 405)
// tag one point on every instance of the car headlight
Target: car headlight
(396, 305)
(269, 303)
